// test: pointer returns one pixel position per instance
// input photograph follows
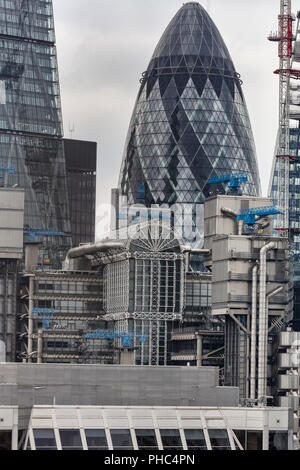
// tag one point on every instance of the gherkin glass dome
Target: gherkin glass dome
(190, 121)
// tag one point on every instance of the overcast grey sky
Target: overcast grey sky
(104, 46)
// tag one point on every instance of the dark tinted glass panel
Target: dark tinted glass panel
(70, 439)
(241, 436)
(121, 439)
(219, 439)
(5, 440)
(96, 439)
(146, 438)
(21, 438)
(254, 440)
(44, 439)
(278, 440)
(171, 439)
(195, 439)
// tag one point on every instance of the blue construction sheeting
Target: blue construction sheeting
(125, 336)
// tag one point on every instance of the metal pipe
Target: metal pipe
(199, 349)
(240, 227)
(262, 320)
(269, 296)
(200, 252)
(188, 250)
(40, 347)
(231, 213)
(91, 249)
(30, 320)
(253, 333)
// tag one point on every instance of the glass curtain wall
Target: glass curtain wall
(31, 124)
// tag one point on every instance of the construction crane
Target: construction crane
(125, 336)
(281, 163)
(234, 181)
(250, 217)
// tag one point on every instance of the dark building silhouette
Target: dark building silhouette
(81, 159)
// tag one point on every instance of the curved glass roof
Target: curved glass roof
(193, 38)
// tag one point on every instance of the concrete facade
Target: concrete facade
(65, 384)
(11, 223)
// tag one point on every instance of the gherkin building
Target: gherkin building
(190, 123)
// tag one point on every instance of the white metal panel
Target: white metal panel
(61, 413)
(244, 418)
(70, 423)
(6, 418)
(277, 420)
(92, 423)
(42, 423)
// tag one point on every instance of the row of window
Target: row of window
(43, 35)
(122, 439)
(70, 287)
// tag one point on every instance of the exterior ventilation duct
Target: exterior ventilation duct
(84, 250)
(253, 333)
(263, 317)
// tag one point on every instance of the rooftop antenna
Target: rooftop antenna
(71, 130)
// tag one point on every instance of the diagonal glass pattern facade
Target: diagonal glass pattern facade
(31, 123)
(189, 123)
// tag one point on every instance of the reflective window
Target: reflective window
(96, 439)
(278, 440)
(70, 439)
(146, 439)
(171, 439)
(195, 439)
(44, 439)
(219, 439)
(121, 439)
(241, 437)
(249, 440)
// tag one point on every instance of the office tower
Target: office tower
(189, 123)
(31, 124)
(293, 215)
(81, 157)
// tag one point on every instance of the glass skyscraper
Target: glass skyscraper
(189, 123)
(30, 121)
(294, 215)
